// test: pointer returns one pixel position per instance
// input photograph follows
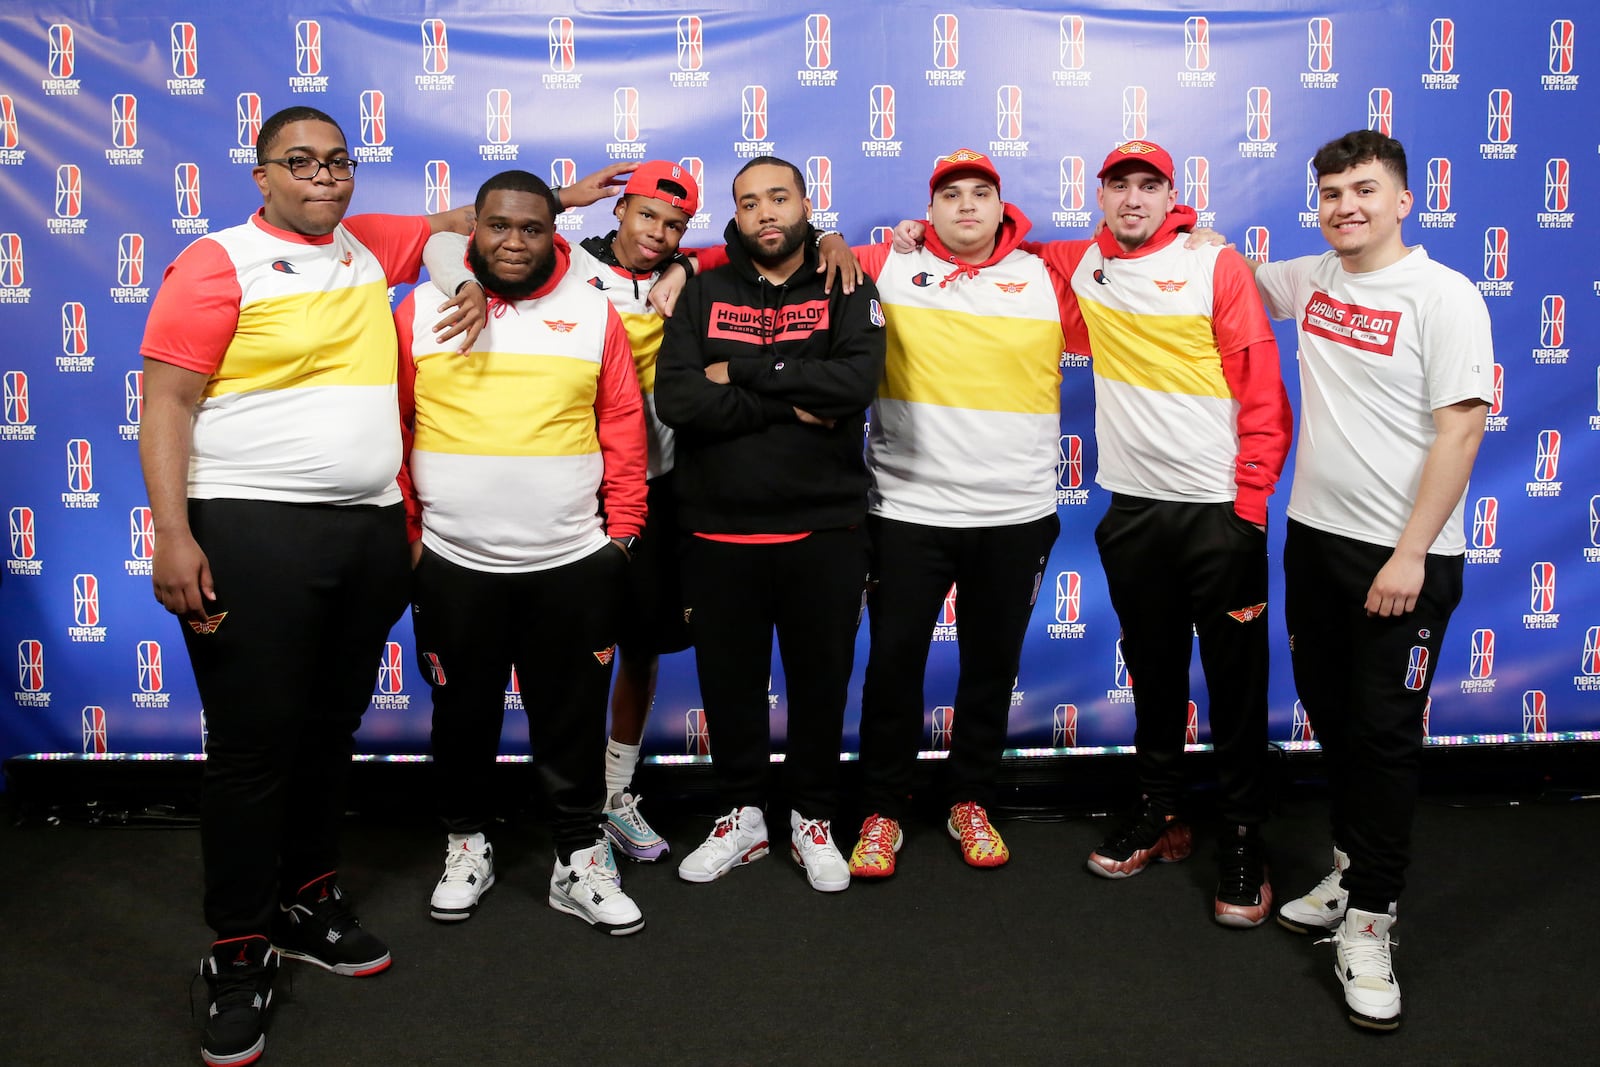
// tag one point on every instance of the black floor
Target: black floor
(1037, 962)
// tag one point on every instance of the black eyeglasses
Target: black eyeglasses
(306, 169)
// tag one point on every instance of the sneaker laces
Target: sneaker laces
(628, 811)
(459, 864)
(813, 833)
(879, 833)
(1365, 957)
(600, 877)
(1329, 888)
(973, 822)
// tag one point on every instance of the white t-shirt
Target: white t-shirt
(1379, 353)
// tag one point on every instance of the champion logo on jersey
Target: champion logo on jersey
(1254, 611)
(1011, 287)
(597, 283)
(560, 327)
(283, 266)
(1170, 286)
(922, 278)
(209, 624)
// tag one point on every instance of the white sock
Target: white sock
(620, 761)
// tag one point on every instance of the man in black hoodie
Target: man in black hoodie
(766, 378)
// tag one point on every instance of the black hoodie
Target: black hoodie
(746, 464)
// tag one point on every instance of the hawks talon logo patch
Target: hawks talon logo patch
(209, 624)
(1251, 612)
(605, 655)
(560, 327)
(1011, 287)
(1170, 286)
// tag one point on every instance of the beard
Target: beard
(793, 237)
(504, 289)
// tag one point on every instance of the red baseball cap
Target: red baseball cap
(647, 178)
(962, 161)
(1144, 153)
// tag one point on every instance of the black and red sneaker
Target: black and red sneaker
(238, 974)
(319, 927)
(1152, 835)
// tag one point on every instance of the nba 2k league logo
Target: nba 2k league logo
(946, 53)
(124, 150)
(691, 72)
(1441, 56)
(626, 132)
(1563, 47)
(1497, 142)
(435, 76)
(390, 692)
(563, 72)
(30, 691)
(883, 128)
(1258, 142)
(1541, 598)
(1069, 608)
(69, 217)
(753, 131)
(1480, 671)
(152, 677)
(374, 146)
(497, 123)
(63, 62)
(185, 62)
(308, 76)
(1319, 72)
(1070, 69)
(819, 53)
(1557, 213)
(1197, 72)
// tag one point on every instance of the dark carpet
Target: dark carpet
(1037, 962)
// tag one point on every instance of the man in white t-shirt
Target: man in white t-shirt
(1396, 373)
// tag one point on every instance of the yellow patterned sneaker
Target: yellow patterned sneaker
(873, 856)
(980, 842)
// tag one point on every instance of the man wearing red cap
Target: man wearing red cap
(1193, 425)
(962, 451)
(657, 203)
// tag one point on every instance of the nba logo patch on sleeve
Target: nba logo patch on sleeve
(875, 313)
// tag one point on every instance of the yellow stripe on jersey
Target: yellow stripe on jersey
(644, 339)
(1164, 353)
(974, 362)
(342, 337)
(506, 404)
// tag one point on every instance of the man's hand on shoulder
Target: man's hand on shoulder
(465, 316)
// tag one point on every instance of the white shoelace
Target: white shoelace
(459, 863)
(1328, 888)
(628, 811)
(814, 834)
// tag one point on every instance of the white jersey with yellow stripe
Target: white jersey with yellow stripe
(1164, 413)
(506, 458)
(966, 427)
(301, 408)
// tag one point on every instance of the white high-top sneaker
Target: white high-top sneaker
(588, 886)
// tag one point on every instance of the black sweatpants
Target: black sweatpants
(558, 628)
(997, 571)
(1174, 570)
(309, 593)
(1364, 683)
(810, 592)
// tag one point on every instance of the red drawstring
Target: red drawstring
(966, 269)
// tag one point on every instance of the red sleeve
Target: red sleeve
(619, 423)
(196, 311)
(1237, 318)
(1264, 423)
(1061, 258)
(406, 377)
(396, 240)
(873, 258)
(708, 258)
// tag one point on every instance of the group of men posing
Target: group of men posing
(596, 474)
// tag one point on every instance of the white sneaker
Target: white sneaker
(811, 845)
(468, 874)
(1323, 907)
(590, 887)
(1361, 946)
(740, 837)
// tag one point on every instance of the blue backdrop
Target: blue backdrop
(126, 129)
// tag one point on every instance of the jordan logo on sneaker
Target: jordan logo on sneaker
(1370, 931)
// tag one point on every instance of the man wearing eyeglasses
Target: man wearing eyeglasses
(270, 448)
